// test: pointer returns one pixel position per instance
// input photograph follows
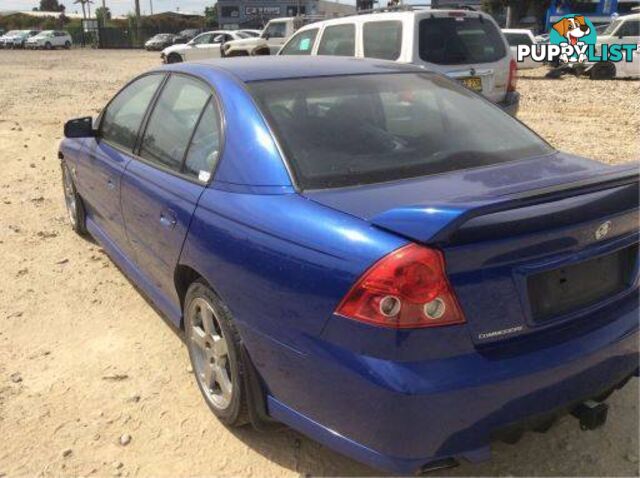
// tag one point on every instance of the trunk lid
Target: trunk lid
(522, 240)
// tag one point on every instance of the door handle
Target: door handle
(168, 219)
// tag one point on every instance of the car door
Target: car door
(338, 40)
(204, 46)
(275, 35)
(99, 177)
(162, 184)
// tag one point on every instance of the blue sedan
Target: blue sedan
(367, 252)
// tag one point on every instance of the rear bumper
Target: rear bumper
(401, 416)
(511, 103)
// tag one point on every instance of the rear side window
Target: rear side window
(123, 116)
(301, 44)
(204, 149)
(459, 40)
(630, 28)
(515, 39)
(173, 121)
(338, 40)
(382, 40)
(363, 129)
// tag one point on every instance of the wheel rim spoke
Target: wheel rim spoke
(207, 320)
(199, 338)
(223, 381)
(209, 376)
(219, 347)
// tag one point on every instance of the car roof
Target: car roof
(257, 68)
(516, 30)
(418, 13)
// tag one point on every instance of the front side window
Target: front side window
(352, 130)
(276, 30)
(122, 118)
(203, 39)
(630, 28)
(338, 40)
(301, 44)
(173, 120)
(382, 40)
(459, 40)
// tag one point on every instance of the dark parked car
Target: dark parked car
(159, 42)
(368, 252)
(187, 35)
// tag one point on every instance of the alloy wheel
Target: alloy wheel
(210, 354)
(70, 197)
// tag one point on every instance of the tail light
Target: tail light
(406, 289)
(513, 76)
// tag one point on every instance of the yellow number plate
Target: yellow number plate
(473, 83)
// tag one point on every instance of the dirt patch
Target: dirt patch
(92, 382)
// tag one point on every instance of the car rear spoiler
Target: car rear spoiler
(438, 224)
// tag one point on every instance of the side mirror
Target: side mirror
(266, 36)
(79, 128)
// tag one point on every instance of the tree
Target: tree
(50, 6)
(103, 14)
(211, 16)
(518, 8)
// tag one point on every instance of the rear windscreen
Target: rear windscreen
(459, 40)
(349, 130)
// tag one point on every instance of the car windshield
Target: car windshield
(351, 130)
(459, 40)
(12, 32)
(611, 27)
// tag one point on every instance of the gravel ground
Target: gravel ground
(93, 383)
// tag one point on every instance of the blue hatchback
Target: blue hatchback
(367, 252)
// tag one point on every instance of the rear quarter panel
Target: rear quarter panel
(281, 263)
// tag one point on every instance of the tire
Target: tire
(73, 203)
(174, 58)
(48, 46)
(67, 45)
(603, 71)
(215, 346)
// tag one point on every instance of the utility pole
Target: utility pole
(151, 6)
(137, 9)
(509, 22)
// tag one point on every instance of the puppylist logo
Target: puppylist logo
(573, 40)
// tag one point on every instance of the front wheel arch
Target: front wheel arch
(174, 58)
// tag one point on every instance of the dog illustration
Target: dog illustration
(573, 29)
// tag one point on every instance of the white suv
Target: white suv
(463, 44)
(205, 45)
(270, 40)
(49, 39)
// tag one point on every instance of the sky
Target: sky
(122, 7)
